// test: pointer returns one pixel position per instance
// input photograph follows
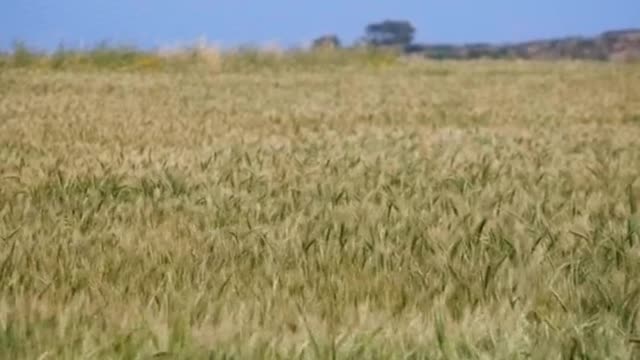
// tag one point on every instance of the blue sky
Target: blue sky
(46, 23)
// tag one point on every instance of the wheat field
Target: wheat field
(402, 210)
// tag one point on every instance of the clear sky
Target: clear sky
(145, 23)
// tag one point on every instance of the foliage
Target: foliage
(129, 59)
(390, 33)
(327, 41)
(23, 56)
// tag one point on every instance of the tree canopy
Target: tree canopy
(390, 33)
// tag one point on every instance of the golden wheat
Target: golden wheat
(483, 210)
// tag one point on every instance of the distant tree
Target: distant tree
(327, 41)
(389, 33)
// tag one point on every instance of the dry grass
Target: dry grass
(483, 210)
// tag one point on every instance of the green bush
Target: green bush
(22, 55)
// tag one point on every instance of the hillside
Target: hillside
(620, 45)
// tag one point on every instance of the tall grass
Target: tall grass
(407, 209)
(110, 57)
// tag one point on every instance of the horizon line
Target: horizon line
(202, 41)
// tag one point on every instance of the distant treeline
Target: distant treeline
(621, 45)
(383, 43)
